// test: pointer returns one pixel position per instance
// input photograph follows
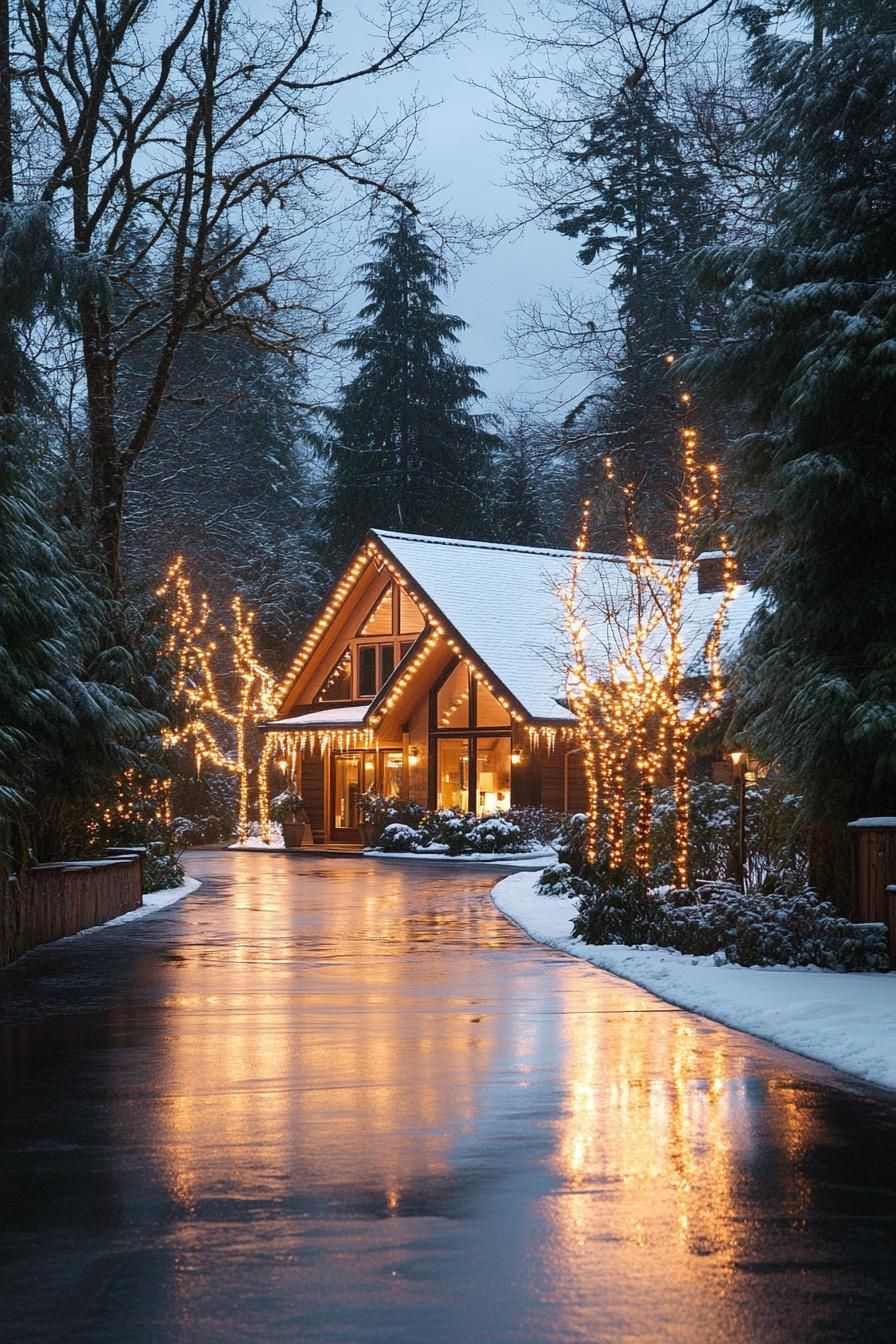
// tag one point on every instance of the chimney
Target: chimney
(711, 572)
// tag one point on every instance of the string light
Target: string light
(634, 712)
(191, 651)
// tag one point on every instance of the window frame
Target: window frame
(397, 641)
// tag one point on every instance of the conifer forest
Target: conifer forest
(228, 346)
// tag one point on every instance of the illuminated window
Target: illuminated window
(492, 775)
(379, 622)
(453, 773)
(410, 616)
(490, 713)
(393, 774)
(453, 699)
(338, 685)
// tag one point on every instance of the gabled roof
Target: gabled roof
(502, 602)
(499, 605)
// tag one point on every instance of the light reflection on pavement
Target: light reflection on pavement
(343, 1100)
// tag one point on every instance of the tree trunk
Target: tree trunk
(107, 480)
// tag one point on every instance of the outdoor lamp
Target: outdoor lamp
(413, 755)
(516, 757)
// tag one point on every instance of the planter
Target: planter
(293, 833)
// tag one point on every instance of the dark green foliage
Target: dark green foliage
(76, 699)
(642, 203)
(795, 929)
(812, 365)
(407, 451)
(161, 869)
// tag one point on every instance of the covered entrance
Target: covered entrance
(353, 773)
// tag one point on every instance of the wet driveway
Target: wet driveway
(335, 1100)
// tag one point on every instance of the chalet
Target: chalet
(434, 672)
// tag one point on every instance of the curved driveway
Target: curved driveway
(345, 1100)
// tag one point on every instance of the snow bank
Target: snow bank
(256, 842)
(534, 859)
(845, 1020)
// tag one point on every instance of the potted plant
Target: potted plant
(376, 813)
(288, 809)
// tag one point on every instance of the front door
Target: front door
(353, 772)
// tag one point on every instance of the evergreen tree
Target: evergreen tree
(812, 363)
(650, 210)
(71, 701)
(407, 451)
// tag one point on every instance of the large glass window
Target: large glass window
(410, 615)
(453, 761)
(338, 685)
(346, 790)
(490, 713)
(393, 774)
(379, 622)
(492, 792)
(453, 699)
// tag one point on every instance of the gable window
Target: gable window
(383, 637)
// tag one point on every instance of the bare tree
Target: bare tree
(206, 134)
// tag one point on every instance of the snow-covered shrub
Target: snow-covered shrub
(161, 869)
(286, 806)
(400, 839)
(493, 835)
(570, 842)
(776, 850)
(558, 879)
(796, 929)
(447, 827)
(538, 825)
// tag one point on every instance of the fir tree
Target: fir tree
(813, 363)
(644, 205)
(407, 452)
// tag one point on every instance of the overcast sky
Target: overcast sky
(456, 151)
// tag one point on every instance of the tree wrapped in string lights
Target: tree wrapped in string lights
(217, 732)
(643, 673)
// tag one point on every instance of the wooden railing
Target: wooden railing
(53, 900)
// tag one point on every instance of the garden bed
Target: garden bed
(844, 1020)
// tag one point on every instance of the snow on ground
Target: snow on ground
(531, 859)
(256, 842)
(846, 1020)
(155, 900)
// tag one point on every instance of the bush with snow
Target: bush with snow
(493, 835)
(794, 928)
(400, 839)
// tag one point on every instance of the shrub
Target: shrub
(161, 868)
(400, 839)
(447, 827)
(793, 929)
(558, 879)
(570, 843)
(537, 825)
(493, 835)
(286, 806)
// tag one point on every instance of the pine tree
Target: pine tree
(650, 210)
(812, 362)
(407, 451)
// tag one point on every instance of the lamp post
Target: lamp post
(738, 761)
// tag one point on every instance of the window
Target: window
(379, 622)
(367, 678)
(376, 649)
(490, 713)
(338, 685)
(453, 699)
(453, 773)
(492, 775)
(411, 620)
(393, 774)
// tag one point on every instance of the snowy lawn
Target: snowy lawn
(847, 1020)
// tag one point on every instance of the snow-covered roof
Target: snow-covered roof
(502, 601)
(340, 716)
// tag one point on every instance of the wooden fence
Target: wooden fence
(53, 900)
